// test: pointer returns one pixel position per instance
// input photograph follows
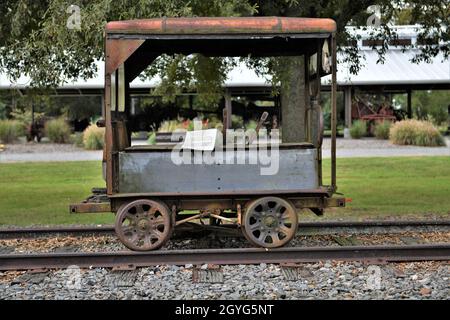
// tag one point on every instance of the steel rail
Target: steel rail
(369, 224)
(57, 229)
(108, 229)
(374, 254)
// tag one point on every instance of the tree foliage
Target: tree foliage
(35, 40)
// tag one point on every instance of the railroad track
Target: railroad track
(130, 260)
(303, 226)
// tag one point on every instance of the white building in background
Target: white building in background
(397, 74)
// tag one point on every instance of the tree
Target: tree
(35, 40)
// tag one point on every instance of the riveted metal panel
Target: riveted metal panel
(146, 172)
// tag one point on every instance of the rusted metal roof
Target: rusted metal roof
(231, 25)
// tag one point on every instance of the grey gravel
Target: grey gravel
(329, 280)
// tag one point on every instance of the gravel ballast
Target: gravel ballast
(328, 280)
(99, 243)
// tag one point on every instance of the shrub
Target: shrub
(58, 131)
(94, 137)
(25, 117)
(414, 132)
(77, 139)
(10, 130)
(381, 130)
(358, 129)
(251, 125)
(152, 139)
(170, 126)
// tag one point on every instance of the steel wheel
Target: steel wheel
(143, 225)
(270, 222)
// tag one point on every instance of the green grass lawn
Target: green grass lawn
(414, 186)
(40, 193)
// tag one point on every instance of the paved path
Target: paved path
(370, 147)
(345, 149)
(50, 157)
(411, 152)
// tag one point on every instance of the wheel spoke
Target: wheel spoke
(255, 226)
(134, 237)
(127, 229)
(262, 237)
(157, 234)
(159, 221)
(256, 214)
(140, 208)
(130, 216)
(285, 230)
(275, 237)
(278, 208)
(285, 217)
(148, 239)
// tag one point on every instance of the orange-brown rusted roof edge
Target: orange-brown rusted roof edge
(206, 25)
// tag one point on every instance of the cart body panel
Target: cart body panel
(147, 172)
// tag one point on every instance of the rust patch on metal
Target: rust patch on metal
(118, 51)
(90, 207)
(229, 25)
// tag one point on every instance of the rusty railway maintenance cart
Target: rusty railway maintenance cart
(151, 195)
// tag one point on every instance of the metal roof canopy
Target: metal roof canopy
(137, 43)
(397, 70)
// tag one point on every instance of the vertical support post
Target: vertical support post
(108, 135)
(294, 101)
(191, 105)
(348, 106)
(318, 113)
(32, 114)
(14, 101)
(409, 105)
(133, 106)
(224, 127)
(103, 105)
(228, 108)
(308, 107)
(333, 116)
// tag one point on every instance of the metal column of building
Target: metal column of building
(348, 106)
(409, 105)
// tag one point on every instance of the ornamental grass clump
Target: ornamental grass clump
(10, 130)
(381, 130)
(58, 131)
(94, 137)
(358, 129)
(417, 133)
